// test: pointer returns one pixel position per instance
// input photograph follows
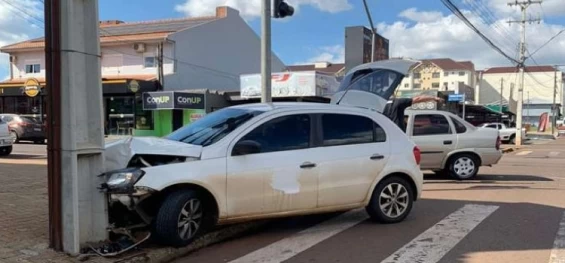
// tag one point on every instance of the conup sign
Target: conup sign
(168, 100)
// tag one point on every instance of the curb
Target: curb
(509, 150)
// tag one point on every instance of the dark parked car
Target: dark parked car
(23, 128)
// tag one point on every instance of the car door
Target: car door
(280, 177)
(352, 151)
(435, 136)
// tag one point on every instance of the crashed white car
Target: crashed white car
(262, 161)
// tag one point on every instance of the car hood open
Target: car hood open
(373, 99)
(118, 153)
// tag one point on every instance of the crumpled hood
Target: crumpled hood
(118, 153)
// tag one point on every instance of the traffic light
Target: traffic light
(282, 9)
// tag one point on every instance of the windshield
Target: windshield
(213, 127)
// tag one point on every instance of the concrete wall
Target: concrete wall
(213, 55)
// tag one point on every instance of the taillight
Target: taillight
(417, 155)
(498, 142)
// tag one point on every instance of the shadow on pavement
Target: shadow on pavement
(24, 156)
(487, 178)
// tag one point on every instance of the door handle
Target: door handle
(307, 165)
(377, 157)
(447, 142)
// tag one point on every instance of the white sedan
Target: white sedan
(263, 161)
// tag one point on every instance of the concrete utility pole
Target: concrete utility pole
(523, 6)
(553, 107)
(77, 210)
(266, 52)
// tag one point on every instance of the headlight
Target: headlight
(123, 179)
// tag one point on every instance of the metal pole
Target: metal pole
(373, 46)
(553, 108)
(528, 107)
(501, 97)
(464, 100)
(53, 84)
(374, 36)
(266, 52)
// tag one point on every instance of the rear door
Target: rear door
(352, 151)
(434, 135)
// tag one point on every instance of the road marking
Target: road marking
(558, 252)
(29, 154)
(553, 154)
(524, 152)
(289, 247)
(434, 243)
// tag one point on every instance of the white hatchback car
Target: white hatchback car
(263, 161)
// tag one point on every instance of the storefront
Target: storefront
(122, 101)
(166, 111)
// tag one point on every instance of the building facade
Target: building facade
(542, 84)
(201, 53)
(443, 75)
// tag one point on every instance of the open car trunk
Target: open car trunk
(371, 85)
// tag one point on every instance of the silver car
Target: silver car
(450, 145)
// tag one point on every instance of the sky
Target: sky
(416, 29)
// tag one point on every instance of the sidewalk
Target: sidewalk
(24, 223)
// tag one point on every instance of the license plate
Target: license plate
(37, 129)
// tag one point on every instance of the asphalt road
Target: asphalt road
(511, 213)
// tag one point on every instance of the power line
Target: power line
(459, 14)
(547, 42)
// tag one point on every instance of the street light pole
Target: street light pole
(266, 52)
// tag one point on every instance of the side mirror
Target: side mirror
(246, 147)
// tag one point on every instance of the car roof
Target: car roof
(297, 106)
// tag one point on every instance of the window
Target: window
(406, 85)
(430, 124)
(461, 73)
(382, 83)
(435, 75)
(435, 85)
(417, 86)
(143, 118)
(445, 74)
(459, 127)
(492, 126)
(33, 68)
(445, 85)
(150, 62)
(344, 129)
(416, 75)
(282, 134)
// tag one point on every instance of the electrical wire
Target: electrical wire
(455, 10)
(547, 42)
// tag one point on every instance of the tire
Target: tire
(39, 141)
(170, 215)
(5, 150)
(15, 136)
(463, 166)
(512, 139)
(389, 210)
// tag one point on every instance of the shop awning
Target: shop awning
(18, 83)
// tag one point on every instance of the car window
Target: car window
(493, 126)
(430, 124)
(285, 133)
(459, 127)
(499, 126)
(7, 118)
(380, 82)
(344, 129)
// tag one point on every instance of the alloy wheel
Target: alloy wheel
(464, 167)
(190, 219)
(393, 200)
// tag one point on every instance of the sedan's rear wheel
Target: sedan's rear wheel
(5, 150)
(181, 218)
(391, 201)
(463, 166)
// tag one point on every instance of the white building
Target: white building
(198, 53)
(441, 74)
(541, 85)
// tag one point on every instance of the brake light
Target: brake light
(417, 155)
(498, 143)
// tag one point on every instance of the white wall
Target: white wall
(540, 93)
(24, 58)
(452, 79)
(115, 61)
(226, 45)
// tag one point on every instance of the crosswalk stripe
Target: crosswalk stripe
(289, 247)
(558, 252)
(434, 243)
(524, 153)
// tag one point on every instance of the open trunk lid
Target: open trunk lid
(371, 85)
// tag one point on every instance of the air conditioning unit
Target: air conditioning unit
(139, 47)
(13, 59)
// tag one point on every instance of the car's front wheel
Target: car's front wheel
(391, 201)
(181, 218)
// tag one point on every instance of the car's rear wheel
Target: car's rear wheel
(463, 166)
(14, 136)
(391, 201)
(181, 218)
(5, 150)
